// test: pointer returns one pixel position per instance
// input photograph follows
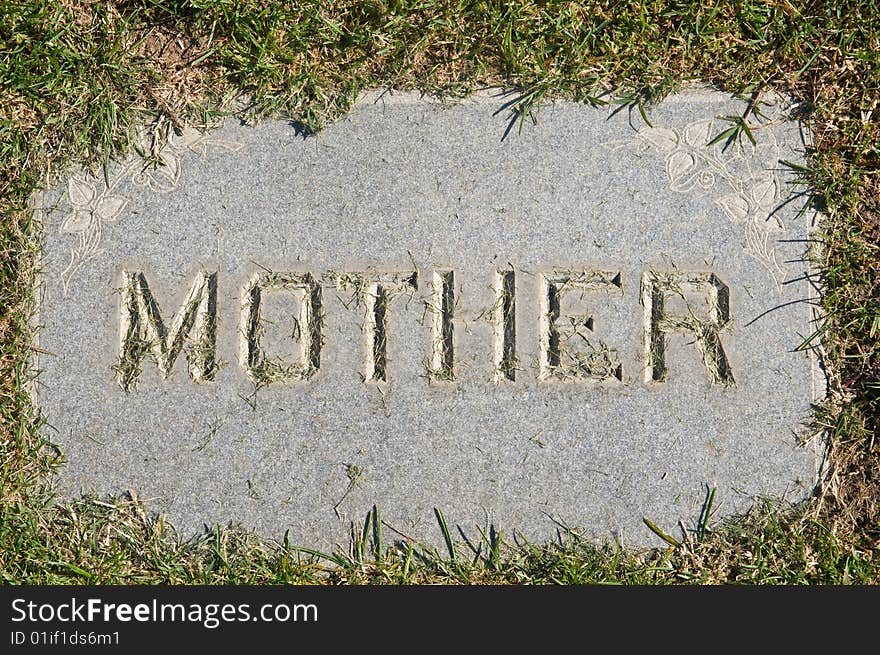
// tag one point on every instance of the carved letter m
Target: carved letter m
(142, 330)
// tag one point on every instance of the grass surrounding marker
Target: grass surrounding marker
(77, 78)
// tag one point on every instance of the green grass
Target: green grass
(77, 78)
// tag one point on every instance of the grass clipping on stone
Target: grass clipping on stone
(80, 78)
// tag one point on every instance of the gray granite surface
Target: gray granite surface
(647, 351)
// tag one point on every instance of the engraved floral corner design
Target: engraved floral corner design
(742, 176)
(98, 201)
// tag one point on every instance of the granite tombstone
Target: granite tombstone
(583, 323)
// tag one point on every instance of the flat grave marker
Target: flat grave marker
(590, 322)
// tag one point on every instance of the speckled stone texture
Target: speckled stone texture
(622, 238)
